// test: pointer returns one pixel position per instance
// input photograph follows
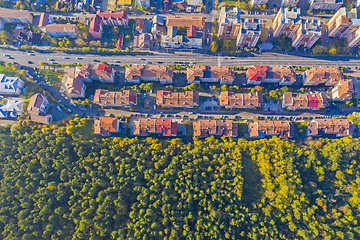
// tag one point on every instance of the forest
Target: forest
(59, 181)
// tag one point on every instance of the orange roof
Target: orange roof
(304, 101)
(340, 127)
(146, 126)
(191, 31)
(179, 21)
(283, 73)
(257, 73)
(44, 18)
(241, 100)
(224, 73)
(226, 128)
(149, 71)
(106, 125)
(283, 129)
(186, 99)
(317, 74)
(124, 98)
(139, 24)
(345, 89)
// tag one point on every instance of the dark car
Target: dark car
(30, 62)
(95, 60)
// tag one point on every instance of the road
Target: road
(271, 59)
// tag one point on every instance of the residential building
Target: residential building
(180, 41)
(191, 31)
(167, 99)
(142, 25)
(194, 3)
(249, 33)
(258, 2)
(105, 126)
(153, 73)
(23, 35)
(179, 5)
(281, 75)
(108, 18)
(286, 22)
(308, 33)
(13, 108)
(179, 21)
(322, 75)
(345, 25)
(225, 128)
(343, 90)
(14, 16)
(11, 85)
(330, 5)
(229, 23)
(222, 74)
(142, 41)
(45, 19)
(102, 73)
(337, 127)
(289, 3)
(106, 98)
(256, 75)
(144, 3)
(61, 30)
(75, 87)
(146, 126)
(241, 100)
(261, 129)
(37, 109)
(313, 101)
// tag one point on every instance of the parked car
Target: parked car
(58, 107)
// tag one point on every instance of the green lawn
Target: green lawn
(230, 3)
(7, 71)
(54, 76)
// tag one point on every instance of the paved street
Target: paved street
(170, 58)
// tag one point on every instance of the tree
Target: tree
(5, 37)
(223, 88)
(41, 63)
(332, 51)
(214, 47)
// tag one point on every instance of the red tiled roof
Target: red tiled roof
(144, 127)
(313, 101)
(257, 72)
(191, 31)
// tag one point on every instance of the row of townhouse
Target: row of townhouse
(75, 77)
(144, 127)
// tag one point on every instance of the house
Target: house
(261, 129)
(75, 87)
(106, 98)
(167, 99)
(337, 127)
(179, 21)
(322, 75)
(11, 85)
(45, 19)
(37, 109)
(330, 5)
(241, 100)
(179, 5)
(264, 74)
(229, 23)
(225, 128)
(153, 73)
(102, 73)
(13, 108)
(314, 101)
(23, 35)
(143, 41)
(142, 25)
(222, 74)
(258, 2)
(108, 18)
(146, 126)
(343, 90)
(180, 41)
(105, 126)
(144, 3)
(61, 30)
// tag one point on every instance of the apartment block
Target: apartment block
(308, 33)
(241, 100)
(61, 30)
(14, 16)
(179, 21)
(108, 18)
(229, 23)
(261, 129)
(322, 75)
(314, 101)
(289, 3)
(343, 90)
(108, 98)
(222, 74)
(336, 127)
(167, 99)
(153, 73)
(258, 2)
(11, 85)
(147, 126)
(206, 128)
(249, 33)
(330, 5)
(37, 109)
(105, 126)
(287, 22)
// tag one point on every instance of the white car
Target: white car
(73, 104)
(59, 109)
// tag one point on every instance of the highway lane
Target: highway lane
(270, 59)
